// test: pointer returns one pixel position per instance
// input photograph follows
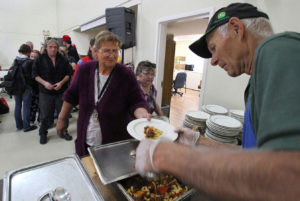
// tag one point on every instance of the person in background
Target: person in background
(90, 55)
(72, 51)
(239, 38)
(23, 94)
(109, 98)
(30, 44)
(34, 54)
(145, 73)
(52, 71)
(64, 51)
(34, 109)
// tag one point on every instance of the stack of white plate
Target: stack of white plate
(223, 129)
(214, 109)
(195, 118)
(237, 114)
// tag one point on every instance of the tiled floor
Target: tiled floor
(18, 149)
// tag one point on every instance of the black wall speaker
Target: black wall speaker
(121, 21)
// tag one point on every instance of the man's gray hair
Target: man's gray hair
(259, 27)
(29, 43)
(51, 40)
(44, 50)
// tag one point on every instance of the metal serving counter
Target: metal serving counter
(109, 192)
(62, 178)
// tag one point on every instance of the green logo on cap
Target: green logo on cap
(221, 15)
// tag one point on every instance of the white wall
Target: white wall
(22, 21)
(182, 49)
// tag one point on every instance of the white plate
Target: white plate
(213, 137)
(217, 109)
(239, 113)
(220, 128)
(225, 121)
(136, 129)
(197, 115)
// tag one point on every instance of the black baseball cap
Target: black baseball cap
(222, 16)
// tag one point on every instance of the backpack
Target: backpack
(4, 108)
(14, 82)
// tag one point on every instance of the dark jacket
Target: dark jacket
(26, 65)
(44, 68)
(115, 109)
(72, 52)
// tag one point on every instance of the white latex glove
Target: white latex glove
(144, 157)
(187, 136)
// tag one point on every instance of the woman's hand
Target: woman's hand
(61, 126)
(142, 113)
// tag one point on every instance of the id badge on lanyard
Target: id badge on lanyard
(95, 113)
(95, 116)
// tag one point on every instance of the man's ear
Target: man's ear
(236, 27)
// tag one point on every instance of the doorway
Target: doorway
(185, 28)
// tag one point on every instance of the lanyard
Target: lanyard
(105, 85)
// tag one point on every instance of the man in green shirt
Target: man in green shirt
(239, 39)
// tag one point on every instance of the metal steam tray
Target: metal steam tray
(184, 197)
(33, 182)
(114, 161)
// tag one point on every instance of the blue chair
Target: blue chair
(179, 83)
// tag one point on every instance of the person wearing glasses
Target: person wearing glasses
(145, 73)
(109, 97)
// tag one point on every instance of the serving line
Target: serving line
(109, 192)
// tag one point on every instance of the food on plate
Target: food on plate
(152, 132)
(164, 188)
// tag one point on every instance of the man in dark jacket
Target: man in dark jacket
(52, 71)
(72, 51)
(23, 91)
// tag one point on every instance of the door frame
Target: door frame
(160, 47)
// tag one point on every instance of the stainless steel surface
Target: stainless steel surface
(114, 161)
(185, 196)
(46, 197)
(32, 182)
(123, 190)
(132, 153)
(59, 194)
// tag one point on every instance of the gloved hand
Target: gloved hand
(187, 136)
(144, 157)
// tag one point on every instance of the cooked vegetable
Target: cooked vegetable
(152, 132)
(165, 188)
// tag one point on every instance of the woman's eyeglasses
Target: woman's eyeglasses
(108, 51)
(148, 74)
